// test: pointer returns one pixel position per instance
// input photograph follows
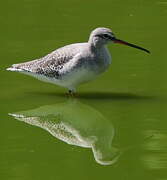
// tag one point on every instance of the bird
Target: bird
(74, 64)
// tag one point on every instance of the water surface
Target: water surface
(126, 105)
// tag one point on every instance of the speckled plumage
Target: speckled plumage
(73, 64)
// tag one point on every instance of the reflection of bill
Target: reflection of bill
(76, 124)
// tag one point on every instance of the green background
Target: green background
(132, 94)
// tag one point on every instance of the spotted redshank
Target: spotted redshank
(74, 64)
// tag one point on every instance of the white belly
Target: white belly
(70, 80)
(77, 77)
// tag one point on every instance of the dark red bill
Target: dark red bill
(115, 40)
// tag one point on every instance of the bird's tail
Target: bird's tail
(15, 67)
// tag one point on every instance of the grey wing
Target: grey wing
(52, 64)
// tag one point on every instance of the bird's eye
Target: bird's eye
(106, 36)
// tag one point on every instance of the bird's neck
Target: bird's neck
(97, 47)
(95, 44)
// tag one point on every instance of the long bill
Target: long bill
(115, 40)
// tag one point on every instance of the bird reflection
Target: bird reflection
(76, 124)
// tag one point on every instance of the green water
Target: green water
(119, 118)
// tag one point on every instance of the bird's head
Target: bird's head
(102, 36)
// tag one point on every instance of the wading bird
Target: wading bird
(74, 64)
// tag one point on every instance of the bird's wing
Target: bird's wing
(51, 64)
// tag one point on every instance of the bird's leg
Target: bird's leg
(72, 92)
